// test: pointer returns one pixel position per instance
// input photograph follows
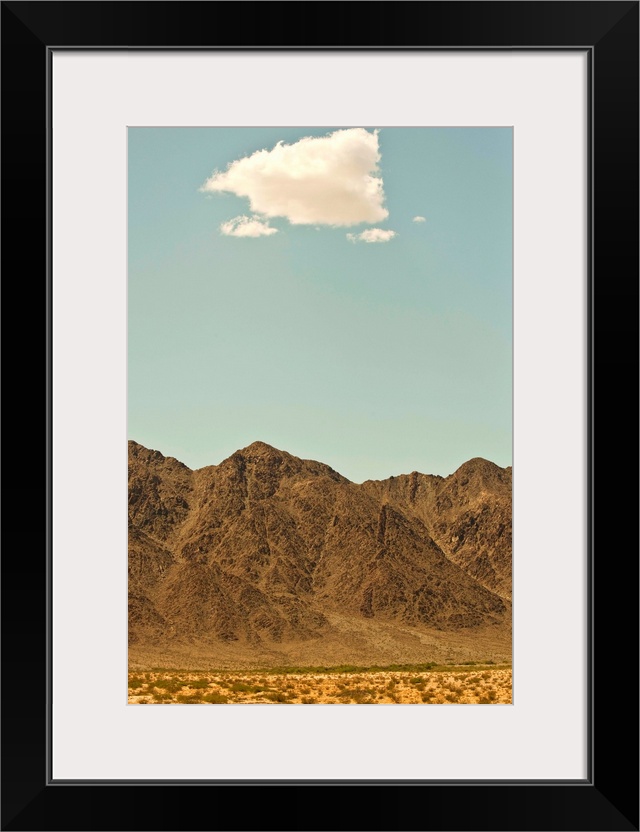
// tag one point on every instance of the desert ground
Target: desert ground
(473, 683)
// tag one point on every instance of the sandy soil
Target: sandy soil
(480, 684)
(373, 642)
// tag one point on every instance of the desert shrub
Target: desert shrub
(275, 696)
(215, 698)
(198, 684)
(162, 697)
(171, 685)
(309, 700)
(417, 680)
(359, 695)
(362, 696)
(243, 687)
(136, 682)
(189, 698)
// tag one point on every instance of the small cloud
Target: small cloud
(247, 227)
(419, 219)
(327, 180)
(372, 235)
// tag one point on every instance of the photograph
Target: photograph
(319, 415)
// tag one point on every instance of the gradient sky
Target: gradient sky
(377, 358)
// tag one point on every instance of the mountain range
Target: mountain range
(270, 559)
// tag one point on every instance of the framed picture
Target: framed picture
(561, 79)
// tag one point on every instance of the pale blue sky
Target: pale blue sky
(375, 358)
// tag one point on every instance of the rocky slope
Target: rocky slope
(266, 550)
(467, 514)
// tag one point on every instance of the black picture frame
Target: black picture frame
(608, 798)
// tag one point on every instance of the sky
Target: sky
(341, 293)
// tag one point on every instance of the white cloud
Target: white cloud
(331, 180)
(419, 219)
(247, 227)
(372, 235)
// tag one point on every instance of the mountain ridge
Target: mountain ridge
(265, 549)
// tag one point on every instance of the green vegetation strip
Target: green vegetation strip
(431, 667)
